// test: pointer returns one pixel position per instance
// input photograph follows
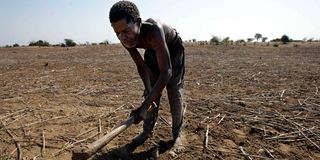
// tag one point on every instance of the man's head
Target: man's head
(124, 9)
(125, 20)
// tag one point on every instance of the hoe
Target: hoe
(85, 152)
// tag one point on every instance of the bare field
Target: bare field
(256, 102)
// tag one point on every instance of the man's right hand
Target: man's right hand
(138, 114)
(141, 112)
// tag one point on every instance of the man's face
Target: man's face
(127, 33)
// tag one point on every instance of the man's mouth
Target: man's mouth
(129, 43)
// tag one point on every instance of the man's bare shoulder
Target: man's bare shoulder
(152, 21)
(150, 25)
(152, 29)
(149, 33)
(156, 24)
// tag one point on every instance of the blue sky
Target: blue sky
(82, 20)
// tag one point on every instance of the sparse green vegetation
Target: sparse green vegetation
(310, 40)
(285, 39)
(203, 42)
(215, 40)
(258, 36)
(249, 40)
(69, 43)
(16, 45)
(256, 40)
(7, 157)
(106, 42)
(39, 43)
(226, 40)
(276, 40)
(264, 39)
(4, 155)
(240, 41)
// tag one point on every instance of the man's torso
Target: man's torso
(146, 34)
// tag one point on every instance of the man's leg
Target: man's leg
(177, 110)
(175, 95)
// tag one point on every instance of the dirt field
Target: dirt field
(256, 101)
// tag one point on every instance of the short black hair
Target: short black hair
(124, 9)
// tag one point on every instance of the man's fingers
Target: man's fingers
(141, 114)
(155, 104)
(152, 107)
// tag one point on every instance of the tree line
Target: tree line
(67, 43)
(284, 39)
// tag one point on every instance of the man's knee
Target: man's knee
(175, 92)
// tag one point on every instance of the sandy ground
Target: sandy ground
(255, 101)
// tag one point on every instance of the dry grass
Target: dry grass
(244, 102)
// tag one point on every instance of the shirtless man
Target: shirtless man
(162, 66)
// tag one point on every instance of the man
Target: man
(162, 66)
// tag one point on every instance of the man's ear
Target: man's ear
(139, 20)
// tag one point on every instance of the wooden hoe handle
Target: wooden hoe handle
(85, 152)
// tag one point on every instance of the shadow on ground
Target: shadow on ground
(126, 152)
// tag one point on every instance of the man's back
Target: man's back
(146, 33)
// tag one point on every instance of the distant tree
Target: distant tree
(194, 40)
(39, 43)
(69, 42)
(240, 41)
(215, 40)
(249, 40)
(264, 39)
(226, 40)
(305, 39)
(310, 40)
(32, 43)
(16, 45)
(258, 36)
(285, 39)
(203, 42)
(276, 40)
(106, 42)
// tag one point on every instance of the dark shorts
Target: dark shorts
(176, 51)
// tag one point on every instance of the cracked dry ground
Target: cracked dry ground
(255, 101)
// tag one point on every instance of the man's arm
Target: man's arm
(164, 63)
(143, 70)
